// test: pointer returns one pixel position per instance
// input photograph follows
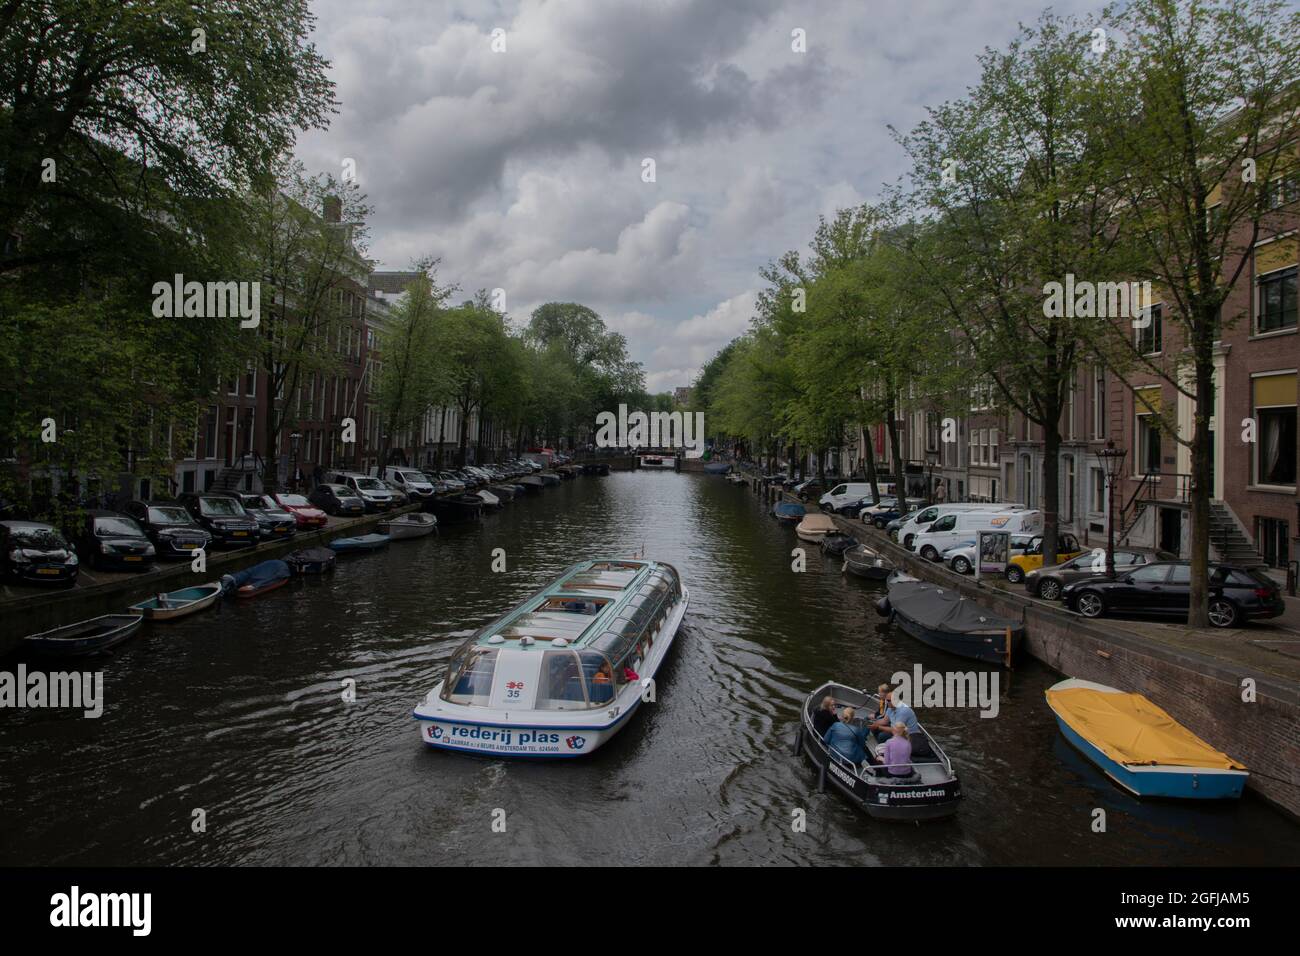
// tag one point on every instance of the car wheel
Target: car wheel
(1049, 590)
(1015, 574)
(961, 565)
(929, 553)
(1090, 604)
(907, 541)
(1222, 612)
(880, 525)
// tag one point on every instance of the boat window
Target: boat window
(598, 673)
(573, 605)
(469, 677)
(561, 686)
(616, 644)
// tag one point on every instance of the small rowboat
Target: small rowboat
(174, 604)
(257, 580)
(489, 499)
(864, 562)
(1140, 747)
(311, 561)
(409, 526)
(837, 544)
(86, 637)
(929, 791)
(366, 542)
(532, 484)
(788, 511)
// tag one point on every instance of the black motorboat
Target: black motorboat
(943, 618)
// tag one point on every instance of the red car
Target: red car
(306, 514)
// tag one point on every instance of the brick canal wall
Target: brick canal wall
(1201, 692)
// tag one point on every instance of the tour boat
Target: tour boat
(561, 673)
(1139, 746)
(85, 637)
(931, 791)
(173, 604)
(415, 525)
(658, 461)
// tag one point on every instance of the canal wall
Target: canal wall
(35, 613)
(1201, 692)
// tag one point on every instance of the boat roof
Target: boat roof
(576, 607)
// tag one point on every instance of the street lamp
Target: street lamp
(294, 440)
(1112, 459)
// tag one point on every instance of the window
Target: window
(1067, 505)
(1149, 337)
(1180, 574)
(1275, 437)
(1277, 300)
(1155, 574)
(1099, 402)
(1282, 190)
(1274, 540)
(1098, 490)
(1146, 403)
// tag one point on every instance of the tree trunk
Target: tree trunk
(1051, 488)
(442, 430)
(1202, 486)
(896, 449)
(869, 456)
(464, 437)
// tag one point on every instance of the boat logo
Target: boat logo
(515, 685)
(575, 742)
(435, 732)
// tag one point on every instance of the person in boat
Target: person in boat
(846, 740)
(896, 712)
(824, 716)
(896, 754)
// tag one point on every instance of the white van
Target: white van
(946, 530)
(924, 516)
(413, 482)
(847, 493)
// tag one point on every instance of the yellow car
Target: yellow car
(1031, 559)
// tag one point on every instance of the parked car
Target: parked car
(32, 552)
(415, 485)
(223, 516)
(114, 542)
(937, 536)
(305, 514)
(1047, 583)
(1164, 587)
(400, 495)
(172, 529)
(895, 527)
(919, 522)
(374, 494)
(338, 500)
(273, 521)
(961, 556)
(845, 494)
(809, 488)
(1031, 559)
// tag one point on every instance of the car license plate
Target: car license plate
(47, 570)
(239, 534)
(189, 545)
(281, 530)
(131, 557)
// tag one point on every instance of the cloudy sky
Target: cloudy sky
(522, 169)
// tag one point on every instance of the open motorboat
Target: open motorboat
(864, 562)
(559, 675)
(451, 509)
(173, 604)
(788, 511)
(815, 527)
(311, 561)
(414, 525)
(657, 461)
(365, 542)
(489, 499)
(549, 478)
(929, 792)
(85, 637)
(532, 484)
(838, 543)
(716, 468)
(505, 493)
(943, 618)
(736, 478)
(1139, 746)
(257, 580)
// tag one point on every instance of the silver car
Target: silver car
(961, 556)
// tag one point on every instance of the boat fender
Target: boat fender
(227, 583)
(798, 742)
(821, 778)
(883, 607)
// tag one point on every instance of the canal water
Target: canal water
(239, 713)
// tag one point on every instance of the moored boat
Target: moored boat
(504, 493)
(815, 527)
(532, 484)
(788, 511)
(311, 561)
(403, 527)
(930, 791)
(716, 468)
(657, 461)
(1139, 746)
(595, 468)
(257, 580)
(864, 562)
(173, 604)
(489, 499)
(943, 618)
(365, 542)
(451, 509)
(561, 673)
(85, 637)
(549, 478)
(837, 543)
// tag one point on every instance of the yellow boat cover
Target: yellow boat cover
(1131, 730)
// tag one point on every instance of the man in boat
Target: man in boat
(896, 712)
(846, 740)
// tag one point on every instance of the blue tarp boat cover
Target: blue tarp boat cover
(259, 575)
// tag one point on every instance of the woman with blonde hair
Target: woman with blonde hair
(846, 740)
(824, 716)
(896, 754)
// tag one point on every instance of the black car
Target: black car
(172, 529)
(272, 520)
(223, 517)
(112, 541)
(35, 553)
(1047, 583)
(338, 500)
(1164, 587)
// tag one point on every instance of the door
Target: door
(1177, 590)
(1171, 531)
(1146, 590)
